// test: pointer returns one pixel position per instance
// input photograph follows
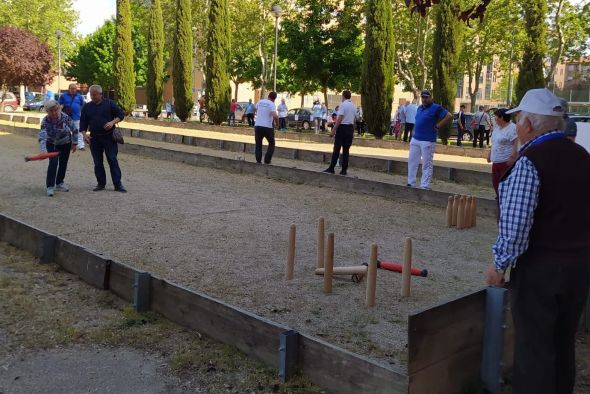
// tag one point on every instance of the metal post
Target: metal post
(59, 34)
(509, 95)
(287, 354)
(274, 85)
(493, 341)
(141, 291)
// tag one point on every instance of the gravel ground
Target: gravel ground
(226, 234)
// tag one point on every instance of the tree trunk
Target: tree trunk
(236, 91)
(302, 99)
(557, 55)
(325, 91)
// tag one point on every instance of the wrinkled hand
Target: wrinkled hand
(109, 125)
(86, 138)
(74, 147)
(494, 278)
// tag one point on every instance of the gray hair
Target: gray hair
(542, 123)
(96, 88)
(49, 104)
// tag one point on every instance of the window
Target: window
(459, 88)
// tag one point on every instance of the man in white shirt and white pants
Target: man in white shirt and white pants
(344, 132)
(266, 112)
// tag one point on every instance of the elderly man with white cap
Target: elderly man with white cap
(544, 237)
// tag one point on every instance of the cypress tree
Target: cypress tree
(123, 71)
(445, 58)
(530, 75)
(155, 66)
(182, 61)
(377, 81)
(218, 49)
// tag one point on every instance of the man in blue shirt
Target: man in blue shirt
(100, 116)
(72, 103)
(429, 118)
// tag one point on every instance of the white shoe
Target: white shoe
(62, 188)
(49, 192)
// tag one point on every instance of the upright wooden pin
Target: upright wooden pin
(461, 213)
(473, 212)
(450, 212)
(329, 264)
(372, 278)
(467, 214)
(455, 209)
(291, 253)
(321, 239)
(407, 268)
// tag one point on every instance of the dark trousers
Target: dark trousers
(547, 301)
(269, 134)
(231, 119)
(487, 136)
(250, 119)
(460, 136)
(343, 139)
(56, 169)
(478, 135)
(282, 123)
(104, 144)
(359, 128)
(408, 131)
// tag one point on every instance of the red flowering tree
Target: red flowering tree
(24, 60)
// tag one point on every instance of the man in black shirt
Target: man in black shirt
(100, 117)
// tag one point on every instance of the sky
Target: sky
(93, 13)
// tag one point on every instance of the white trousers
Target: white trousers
(80, 137)
(420, 150)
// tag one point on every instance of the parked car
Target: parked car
(10, 101)
(38, 104)
(33, 96)
(580, 118)
(467, 134)
(241, 112)
(304, 118)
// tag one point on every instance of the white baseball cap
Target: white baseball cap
(541, 102)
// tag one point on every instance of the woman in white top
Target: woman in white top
(317, 116)
(504, 144)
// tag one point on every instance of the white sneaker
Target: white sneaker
(49, 192)
(62, 188)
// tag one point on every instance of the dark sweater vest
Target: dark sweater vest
(561, 225)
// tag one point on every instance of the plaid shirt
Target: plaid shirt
(519, 197)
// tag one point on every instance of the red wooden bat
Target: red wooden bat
(397, 267)
(41, 156)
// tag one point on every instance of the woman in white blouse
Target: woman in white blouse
(504, 147)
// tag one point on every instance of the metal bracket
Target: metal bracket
(47, 249)
(288, 344)
(493, 341)
(141, 291)
(389, 166)
(587, 313)
(451, 174)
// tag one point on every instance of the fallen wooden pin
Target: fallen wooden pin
(357, 272)
(397, 267)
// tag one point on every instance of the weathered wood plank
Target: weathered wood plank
(31, 239)
(253, 335)
(121, 280)
(437, 333)
(345, 372)
(89, 266)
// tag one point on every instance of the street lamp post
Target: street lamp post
(59, 35)
(276, 11)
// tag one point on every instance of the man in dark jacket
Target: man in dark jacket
(100, 117)
(544, 236)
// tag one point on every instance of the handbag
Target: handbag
(118, 136)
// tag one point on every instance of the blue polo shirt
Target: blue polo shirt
(426, 118)
(73, 103)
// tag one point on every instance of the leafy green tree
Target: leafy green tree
(531, 68)
(123, 71)
(155, 71)
(445, 57)
(182, 61)
(218, 50)
(92, 63)
(377, 74)
(413, 36)
(43, 18)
